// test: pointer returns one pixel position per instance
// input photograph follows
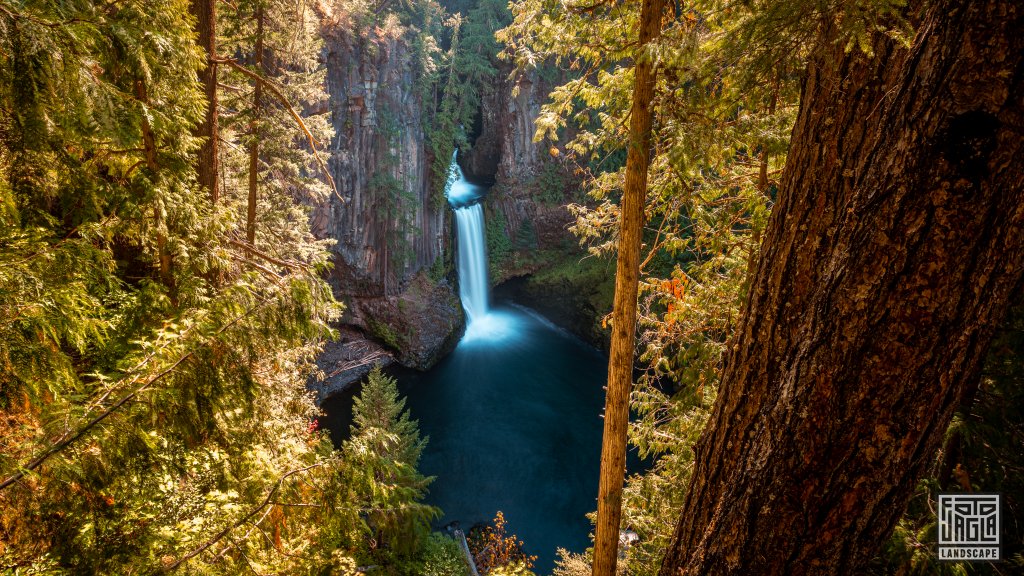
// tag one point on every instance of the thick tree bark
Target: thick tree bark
(205, 12)
(254, 145)
(627, 274)
(895, 245)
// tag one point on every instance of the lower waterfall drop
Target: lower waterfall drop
(472, 261)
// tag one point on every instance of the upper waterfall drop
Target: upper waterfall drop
(460, 192)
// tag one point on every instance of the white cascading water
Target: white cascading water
(472, 249)
(472, 261)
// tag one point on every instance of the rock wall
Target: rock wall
(531, 185)
(504, 151)
(388, 227)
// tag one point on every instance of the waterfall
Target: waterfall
(472, 249)
(472, 261)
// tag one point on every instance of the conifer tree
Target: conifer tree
(208, 166)
(384, 450)
(151, 417)
(275, 77)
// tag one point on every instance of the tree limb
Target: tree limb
(71, 439)
(220, 535)
(269, 85)
(265, 256)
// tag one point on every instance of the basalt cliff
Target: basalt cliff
(392, 234)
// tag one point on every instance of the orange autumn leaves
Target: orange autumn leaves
(492, 549)
(676, 287)
(671, 291)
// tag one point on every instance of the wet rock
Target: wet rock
(420, 325)
(347, 360)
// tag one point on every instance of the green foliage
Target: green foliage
(394, 202)
(728, 84)
(587, 281)
(723, 112)
(469, 70)
(384, 450)
(289, 175)
(153, 408)
(526, 237)
(441, 556)
(386, 334)
(515, 569)
(445, 130)
(499, 247)
(551, 185)
(437, 271)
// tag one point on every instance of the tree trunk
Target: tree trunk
(159, 223)
(254, 144)
(205, 12)
(895, 245)
(620, 364)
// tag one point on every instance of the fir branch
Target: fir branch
(250, 248)
(68, 440)
(58, 244)
(16, 15)
(274, 276)
(220, 535)
(291, 110)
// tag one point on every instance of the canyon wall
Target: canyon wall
(504, 152)
(532, 183)
(387, 228)
(391, 231)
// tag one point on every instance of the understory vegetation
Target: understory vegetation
(157, 329)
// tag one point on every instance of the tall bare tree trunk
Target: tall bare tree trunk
(895, 245)
(254, 145)
(205, 12)
(620, 365)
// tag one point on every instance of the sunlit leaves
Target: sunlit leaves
(168, 405)
(384, 449)
(722, 115)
